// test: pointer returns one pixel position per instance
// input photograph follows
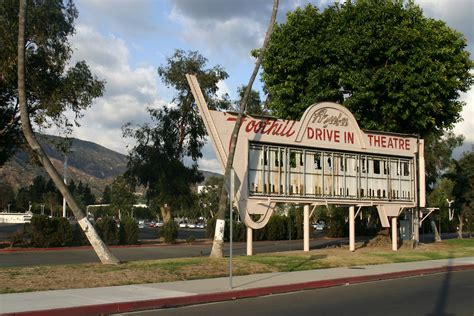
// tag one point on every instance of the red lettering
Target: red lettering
(336, 136)
(390, 142)
(384, 141)
(319, 134)
(401, 143)
(250, 126)
(407, 144)
(290, 132)
(310, 133)
(370, 139)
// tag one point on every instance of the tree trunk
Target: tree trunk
(165, 213)
(217, 246)
(461, 219)
(435, 230)
(100, 248)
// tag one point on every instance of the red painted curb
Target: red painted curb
(121, 307)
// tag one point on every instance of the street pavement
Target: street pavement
(120, 299)
(21, 257)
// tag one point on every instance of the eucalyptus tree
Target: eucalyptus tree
(164, 157)
(24, 104)
(53, 84)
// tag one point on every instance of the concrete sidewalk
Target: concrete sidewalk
(118, 299)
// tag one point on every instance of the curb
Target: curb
(121, 307)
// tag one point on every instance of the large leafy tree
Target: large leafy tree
(24, 105)
(52, 84)
(176, 132)
(462, 173)
(393, 68)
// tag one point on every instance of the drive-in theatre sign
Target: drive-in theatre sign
(324, 158)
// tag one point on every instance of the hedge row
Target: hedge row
(58, 232)
(279, 227)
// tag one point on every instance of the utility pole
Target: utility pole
(65, 182)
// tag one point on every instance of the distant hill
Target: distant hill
(87, 162)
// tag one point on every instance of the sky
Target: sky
(125, 41)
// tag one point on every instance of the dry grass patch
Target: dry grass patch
(155, 271)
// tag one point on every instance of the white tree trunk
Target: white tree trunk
(100, 248)
(217, 246)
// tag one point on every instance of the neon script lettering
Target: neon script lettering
(321, 116)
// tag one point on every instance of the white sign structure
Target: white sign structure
(324, 158)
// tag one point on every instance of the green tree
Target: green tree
(106, 195)
(7, 197)
(438, 155)
(254, 103)
(184, 118)
(462, 174)
(53, 86)
(156, 161)
(24, 104)
(208, 198)
(122, 197)
(393, 68)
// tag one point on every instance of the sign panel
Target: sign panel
(323, 158)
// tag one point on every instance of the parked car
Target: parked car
(191, 225)
(200, 225)
(183, 225)
(319, 226)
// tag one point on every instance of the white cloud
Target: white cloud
(466, 127)
(128, 91)
(127, 17)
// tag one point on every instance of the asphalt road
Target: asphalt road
(439, 294)
(144, 252)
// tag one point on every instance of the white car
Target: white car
(183, 225)
(191, 225)
(319, 226)
(200, 225)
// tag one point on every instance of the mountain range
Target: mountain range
(86, 161)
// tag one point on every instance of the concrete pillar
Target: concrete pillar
(352, 228)
(249, 241)
(394, 234)
(306, 227)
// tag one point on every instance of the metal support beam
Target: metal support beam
(394, 234)
(249, 241)
(306, 227)
(351, 228)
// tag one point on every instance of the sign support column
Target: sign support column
(394, 234)
(352, 228)
(249, 241)
(306, 227)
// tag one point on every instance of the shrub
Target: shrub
(128, 231)
(169, 232)
(78, 236)
(50, 232)
(277, 228)
(107, 229)
(190, 239)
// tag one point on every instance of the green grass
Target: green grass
(289, 263)
(466, 242)
(173, 264)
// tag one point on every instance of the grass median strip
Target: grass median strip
(153, 271)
